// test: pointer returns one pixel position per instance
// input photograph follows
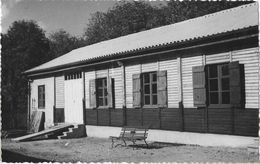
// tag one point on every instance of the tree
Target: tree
(129, 17)
(177, 11)
(23, 46)
(61, 42)
(124, 18)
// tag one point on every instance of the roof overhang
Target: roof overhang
(221, 38)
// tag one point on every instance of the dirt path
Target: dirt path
(99, 150)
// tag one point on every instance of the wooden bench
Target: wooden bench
(132, 134)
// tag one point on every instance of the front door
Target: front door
(73, 91)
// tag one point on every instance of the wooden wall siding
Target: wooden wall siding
(245, 122)
(117, 117)
(194, 120)
(88, 76)
(187, 63)
(172, 81)
(151, 118)
(250, 59)
(218, 58)
(103, 117)
(220, 121)
(134, 117)
(101, 73)
(149, 66)
(171, 119)
(59, 84)
(116, 74)
(58, 115)
(129, 71)
(91, 117)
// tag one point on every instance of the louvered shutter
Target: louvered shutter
(136, 90)
(199, 86)
(162, 88)
(236, 99)
(110, 92)
(92, 93)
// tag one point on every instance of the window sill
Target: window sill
(102, 107)
(150, 106)
(41, 108)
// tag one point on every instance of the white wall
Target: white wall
(49, 98)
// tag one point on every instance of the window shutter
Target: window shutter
(235, 84)
(162, 88)
(199, 86)
(137, 90)
(110, 92)
(92, 93)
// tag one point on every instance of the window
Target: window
(102, 92)
(41, 96)
(218, 84)
(150, 88)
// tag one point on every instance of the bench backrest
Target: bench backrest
(134, 131)
(141, 132)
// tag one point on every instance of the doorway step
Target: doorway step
(47, 133)
(77, 131)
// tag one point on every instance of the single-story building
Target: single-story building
(200, 75)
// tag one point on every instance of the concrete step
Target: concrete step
(77, 131)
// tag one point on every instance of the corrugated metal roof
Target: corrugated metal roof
(220, 22)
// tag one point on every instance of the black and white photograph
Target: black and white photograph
(130, 81)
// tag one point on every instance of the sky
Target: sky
(52, 15)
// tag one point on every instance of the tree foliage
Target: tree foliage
(23, 46)
(61, 42)
(177, 11)
(128, 17)
(124, 18)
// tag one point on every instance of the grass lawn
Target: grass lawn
(99, 150)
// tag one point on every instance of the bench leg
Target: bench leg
(112, 143)
(124, 143)
(146, 143)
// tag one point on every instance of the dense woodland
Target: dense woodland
(25, 45)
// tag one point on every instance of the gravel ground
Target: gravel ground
(99, 150)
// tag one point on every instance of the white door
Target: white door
(73, 91)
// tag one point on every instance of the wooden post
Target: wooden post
(54, 115)
(182, 116)
(142, 116)
(29, 105)
(124, 117)
(179, 71)
(109, 116)
(233, 120)
(54, 90)
(84, 99)
(160, 118)
(124, 85)
(97, 116)
(84, 112)
(206, 120)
